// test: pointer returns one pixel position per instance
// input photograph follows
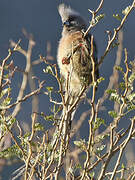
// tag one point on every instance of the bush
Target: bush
(53, 153)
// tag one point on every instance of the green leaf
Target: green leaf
(100, 80)
(118, 68)
(11, 121)
(99, 17)
(49, 89)
(110, 91)
(100, 138)
(38, 127)
(48, 70)
(92, 174)
(7, 101)
(5, 91)
(122, 166)
(78, 166)
(100, 149)
(49, 118)
(98, 123)
(81, 144)
(113, 114)
(115, 97)
(10, 152)
(125, 11)
(27, 135)
(122, 85)
(131, 96)
(115, 44)
(117, 16)
(6, 76)
(131, 78)
(131, 107)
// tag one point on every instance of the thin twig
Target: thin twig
(122, 149)
(37, 91)
(115, 33)
(94, 13)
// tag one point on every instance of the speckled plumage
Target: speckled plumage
(74, 51)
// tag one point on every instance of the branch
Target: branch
(94, 13)
(27, 55)
(37, 91)
(110, 42)
(10, 52)
(122, 149)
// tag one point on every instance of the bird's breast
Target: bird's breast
(73, 58)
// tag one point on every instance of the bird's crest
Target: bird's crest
(66, 11)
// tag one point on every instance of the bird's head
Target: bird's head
(71, 20)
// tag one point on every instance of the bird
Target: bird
(73, 53)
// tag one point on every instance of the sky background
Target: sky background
(41, 18)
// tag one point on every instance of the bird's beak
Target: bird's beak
(66, 23)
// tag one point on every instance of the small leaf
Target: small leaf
(98, 123)
(92, 174)
(117, 16)
(122, 85)
(118, 68)
(131, 78)
(110, 91)
(5, 91)
(78, 166)
(115, 97)
(10, 152)
(38, 127)
(131, 107)
(100, 138)
(49, 89)
(48, 70)
(6, 76)
(122, 166)
(115, 44)
(113, 114)
(26, 136)
(7, 101)
(99, 149)
(81, 144)
(49, 118)
(131, 97)
(100, 80)
(99, 17)
(125, 11)
(11, 122)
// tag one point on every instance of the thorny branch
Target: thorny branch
(27, 75)
(10, 52)
(94, 13)
(91, 132)
(37, 91)
(115, 33)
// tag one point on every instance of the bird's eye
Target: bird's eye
(70, 23)
(66, 23)
(73, 22)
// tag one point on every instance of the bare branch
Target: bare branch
(94, 13)
(37, 91)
